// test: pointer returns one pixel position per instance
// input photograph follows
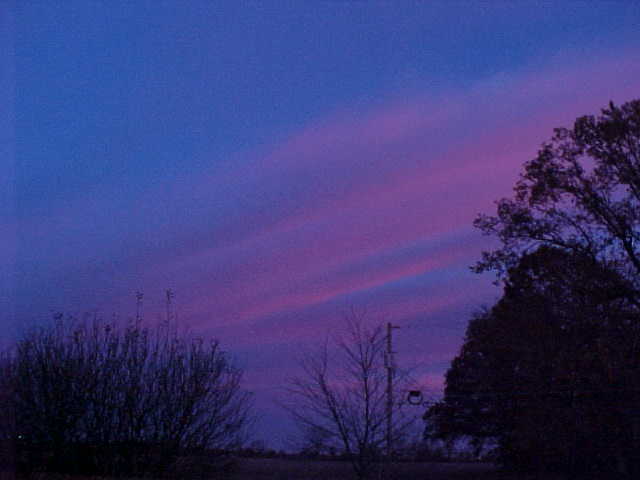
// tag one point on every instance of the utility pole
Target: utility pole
(390, 364)
(139, 296)
(169, 309)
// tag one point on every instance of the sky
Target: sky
(277, 164)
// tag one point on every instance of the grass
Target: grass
(295, 469)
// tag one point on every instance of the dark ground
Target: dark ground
(286, 469)
(294, 469)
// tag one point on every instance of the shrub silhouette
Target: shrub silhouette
(90, 396)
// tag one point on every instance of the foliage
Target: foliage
(581, 193)
(98, 397)
(339, 402)
(551, 371)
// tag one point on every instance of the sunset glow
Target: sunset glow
(276, 168)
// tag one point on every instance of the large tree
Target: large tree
(550, 372)
(552, 367)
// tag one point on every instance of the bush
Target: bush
(96, 397)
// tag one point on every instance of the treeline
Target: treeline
(98, 397)
(551, 372)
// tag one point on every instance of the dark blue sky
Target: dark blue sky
(277, 162)
(162, 87)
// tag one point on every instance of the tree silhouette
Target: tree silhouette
(99, 397)
(339, 401)
(581, 193)
(549, 372)
(565, 335)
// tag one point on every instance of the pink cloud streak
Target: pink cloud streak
(328, 215)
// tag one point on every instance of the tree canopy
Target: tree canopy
(581, 193)
(551, 372)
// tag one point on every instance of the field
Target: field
(292, 469)
(295, 469)
(287, 469)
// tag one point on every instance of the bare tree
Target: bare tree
(94, 395)
(341, 397)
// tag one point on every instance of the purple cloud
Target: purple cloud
(368, 207)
